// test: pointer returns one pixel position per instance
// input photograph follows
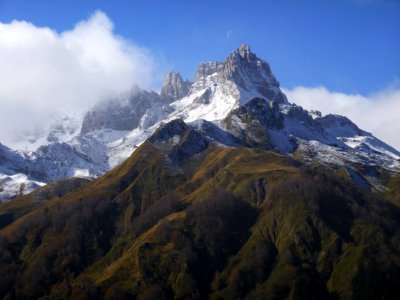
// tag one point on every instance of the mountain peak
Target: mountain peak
(245, 52)
(174, 87)
(251, 75)
(244, 48)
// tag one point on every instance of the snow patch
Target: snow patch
(81, 173)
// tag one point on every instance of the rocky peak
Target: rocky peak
(245, 52)
(246, 70)
(125, 112)
(252, 73)
(174, 87)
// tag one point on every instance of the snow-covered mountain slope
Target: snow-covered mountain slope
(222, 86)
(15, 174)
(237, 102)
(348, 132)
(219, 88)
(288, 128)
(62, 127)
(124, 123)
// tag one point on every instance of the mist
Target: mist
(45, 73)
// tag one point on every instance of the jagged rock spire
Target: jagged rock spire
(245, 52)
(174, 87)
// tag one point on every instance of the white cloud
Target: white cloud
(377, 113)
(43, 71)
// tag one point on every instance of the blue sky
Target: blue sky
(344, 45)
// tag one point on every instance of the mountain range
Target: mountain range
(229, 101)
(218, 188)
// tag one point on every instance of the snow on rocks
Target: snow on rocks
(237, 102)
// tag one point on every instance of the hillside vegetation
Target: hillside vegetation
(178, 221)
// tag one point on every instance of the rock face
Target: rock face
(209, 68)
(252, 73)
(247, 71)
(134, 109)
(250, 123)
(174, 87)
(335, 124)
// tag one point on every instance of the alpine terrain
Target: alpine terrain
(214, 189)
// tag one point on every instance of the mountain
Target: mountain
(216, 189)
(15, 174)
(187, 217)
(238, 99)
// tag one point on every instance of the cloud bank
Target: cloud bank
(44, 71)
(378, 113)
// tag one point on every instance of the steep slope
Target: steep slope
(345, 130)
(185, 217)
(23, 204)
(16, 175)
(392, 192)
